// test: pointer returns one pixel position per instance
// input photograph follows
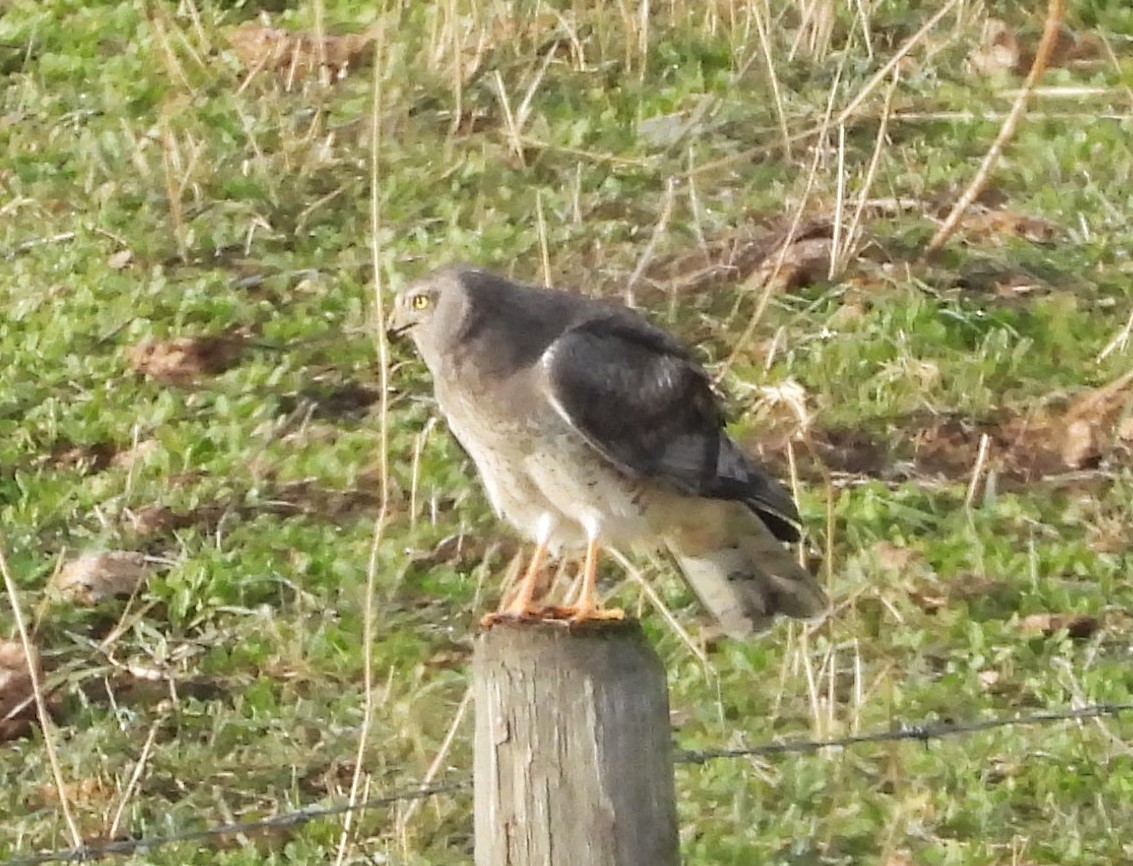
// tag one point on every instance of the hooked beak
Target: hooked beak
(397, 326)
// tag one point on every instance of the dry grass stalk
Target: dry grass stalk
(36, 683)
(1054, 16)
(369, 627)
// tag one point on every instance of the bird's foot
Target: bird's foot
(530, 613)
(589, 613)
(569, 614)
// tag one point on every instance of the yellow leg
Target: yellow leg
(521, 606)
(587, 607)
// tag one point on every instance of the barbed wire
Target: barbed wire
(924, 732)
(286, 819)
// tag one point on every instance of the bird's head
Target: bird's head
(413, 307)
(432, 311)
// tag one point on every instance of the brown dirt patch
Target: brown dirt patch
(1090, 431)
(185, 360)
(17, 704)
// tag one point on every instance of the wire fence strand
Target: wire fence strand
(286, 819)
(923, 732)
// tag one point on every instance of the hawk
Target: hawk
(591, 426)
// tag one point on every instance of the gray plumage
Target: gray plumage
(587, 422)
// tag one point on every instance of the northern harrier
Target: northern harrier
(589, 426)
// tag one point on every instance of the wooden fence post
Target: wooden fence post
(574, 761)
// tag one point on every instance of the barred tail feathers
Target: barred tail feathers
(742, 574)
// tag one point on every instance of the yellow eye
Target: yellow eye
(420, 302)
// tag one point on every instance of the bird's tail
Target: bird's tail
(740, 571)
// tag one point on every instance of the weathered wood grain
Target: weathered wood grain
(573, 763)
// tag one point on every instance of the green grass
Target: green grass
(246, 204)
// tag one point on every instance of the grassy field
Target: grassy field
(191, 210)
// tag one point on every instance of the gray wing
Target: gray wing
(636, 396)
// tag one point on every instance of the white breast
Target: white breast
(539, 472)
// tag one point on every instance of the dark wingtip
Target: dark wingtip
(738, 478)
(781, 527)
